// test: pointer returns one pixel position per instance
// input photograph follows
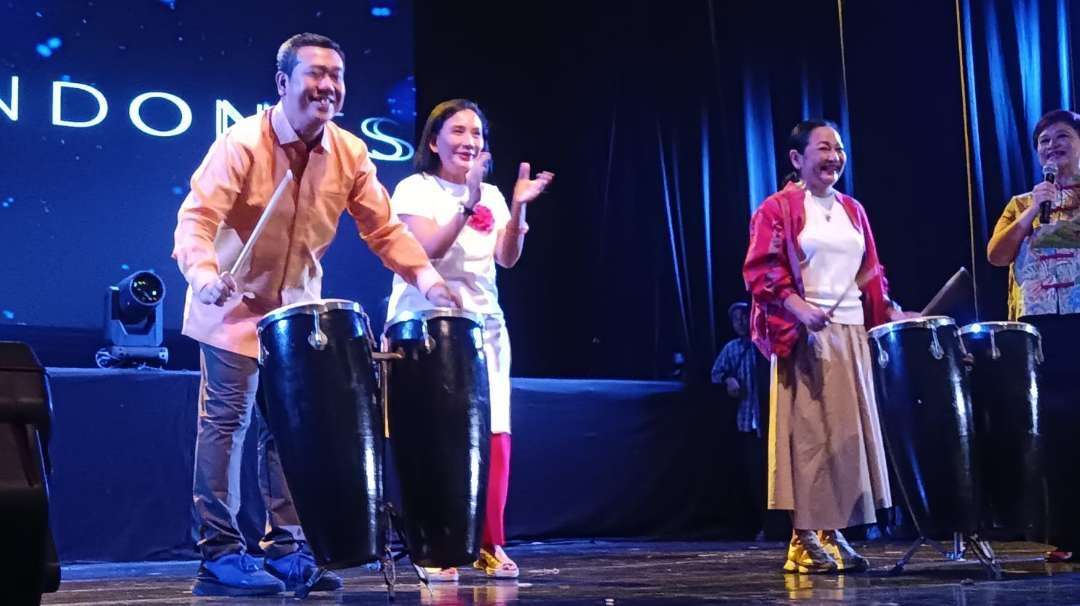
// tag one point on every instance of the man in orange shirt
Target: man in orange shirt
(332, 174)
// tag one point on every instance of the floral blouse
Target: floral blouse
(1042, 280)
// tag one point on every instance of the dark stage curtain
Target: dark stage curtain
(720, 149)
(663, 123)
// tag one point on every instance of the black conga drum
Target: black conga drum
(925, 408)
(439, 432)
(319, 393)
(1009, 442)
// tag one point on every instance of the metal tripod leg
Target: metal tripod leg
(938, 547)
(962, 544)
(304, 590)
(986, 556)
(904, 559)
(958, 547)
(389, 572)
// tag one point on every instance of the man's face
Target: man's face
(315, 90)
(740, 323)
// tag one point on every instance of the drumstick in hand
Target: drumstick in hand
(255, 233)
(859, 281)
(245, 252)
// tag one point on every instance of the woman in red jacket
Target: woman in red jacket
(813, 272)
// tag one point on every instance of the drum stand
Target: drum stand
(962, 546)
(389, 560)
(304, 590)
(384, 360)
(388, 563)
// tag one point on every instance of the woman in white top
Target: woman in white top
(466, 228)
(817, 285)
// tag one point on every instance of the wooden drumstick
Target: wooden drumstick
(255, 233)
(857, 282)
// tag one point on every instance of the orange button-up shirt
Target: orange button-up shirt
(230, 190)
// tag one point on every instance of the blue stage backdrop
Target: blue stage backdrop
(107, 107)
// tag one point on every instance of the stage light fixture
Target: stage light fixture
(134, 329)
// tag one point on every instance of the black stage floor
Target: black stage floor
(615, 572)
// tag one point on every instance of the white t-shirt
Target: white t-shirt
(469, 265)
(834, 252)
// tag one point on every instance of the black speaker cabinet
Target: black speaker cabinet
(28, 562)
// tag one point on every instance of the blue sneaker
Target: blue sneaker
(234, 574)
(297, 567)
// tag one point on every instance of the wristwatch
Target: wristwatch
(466, 210)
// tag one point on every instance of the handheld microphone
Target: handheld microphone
(1049, 175)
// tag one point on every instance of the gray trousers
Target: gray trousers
(226, 399)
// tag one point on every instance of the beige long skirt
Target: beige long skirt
(826, 455)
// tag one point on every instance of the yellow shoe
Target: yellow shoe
(847, 559)
(795, 554)
(806, 555)
(496, 564)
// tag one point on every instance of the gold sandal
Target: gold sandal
(497, 564)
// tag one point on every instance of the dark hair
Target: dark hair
(1062, 116)
(427, 161)
(286, 55)
(800, 138)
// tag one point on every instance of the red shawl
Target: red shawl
(771, 269)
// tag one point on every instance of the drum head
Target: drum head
(307, 308)
(924, 322)
(437, 312)
(995, 327)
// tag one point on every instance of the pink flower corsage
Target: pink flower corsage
(481, 220)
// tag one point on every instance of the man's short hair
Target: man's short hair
(286, 55)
